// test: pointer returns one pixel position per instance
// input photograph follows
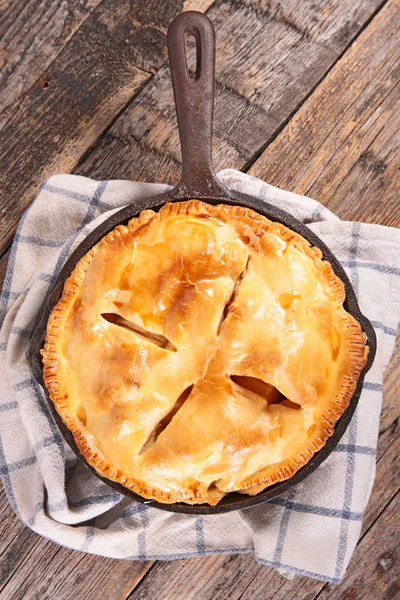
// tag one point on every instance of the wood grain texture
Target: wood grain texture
(332, 23)
(16, 540)
(47, 571)
(266, 65)
(108, 60)
(32, 34)
(343, 145)
(207, 578)
(374, 571)
(3, 267)
(387, 477)
(391, 389)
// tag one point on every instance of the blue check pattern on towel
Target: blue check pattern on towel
(312, 530)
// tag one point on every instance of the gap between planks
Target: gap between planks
(341, 145)
(93, 79)
(284, 124)
(327, 59)
(19, 100)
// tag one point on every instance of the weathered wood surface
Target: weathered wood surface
(31, 36)
(343, 145)
(16, 540)
(34, 568)
(352, 141)
(51, 572)
(3, 267)
(269, 60)
(113, 54)
(391, 410)
(267, 64)
(374, 572)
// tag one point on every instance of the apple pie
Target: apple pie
(201, 350)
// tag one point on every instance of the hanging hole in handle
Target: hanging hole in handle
(192, 54)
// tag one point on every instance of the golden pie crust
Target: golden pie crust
(201, 350)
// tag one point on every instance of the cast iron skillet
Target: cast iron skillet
(194, 99)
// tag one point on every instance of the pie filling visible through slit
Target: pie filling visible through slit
(201, 350)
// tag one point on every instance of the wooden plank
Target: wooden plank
(391, 389)
(207, 578)
(16, 540)
(387, 478)
(343, 145)
(47, 571)
(58, 572)
(374, 571)
(268, 61)
(332, 23)
(390, 416)
(32, 34)
(113, 54)
(3, 267)
(282, 588)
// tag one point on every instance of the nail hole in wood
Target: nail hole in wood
(44, 82)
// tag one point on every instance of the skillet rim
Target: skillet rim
(233, 500)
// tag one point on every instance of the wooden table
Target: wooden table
(307, 98)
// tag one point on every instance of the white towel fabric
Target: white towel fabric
(312, 530)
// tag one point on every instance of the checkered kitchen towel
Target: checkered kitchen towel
(312, 530)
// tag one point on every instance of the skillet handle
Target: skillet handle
(194, 101)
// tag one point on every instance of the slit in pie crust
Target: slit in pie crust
(201, 350)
